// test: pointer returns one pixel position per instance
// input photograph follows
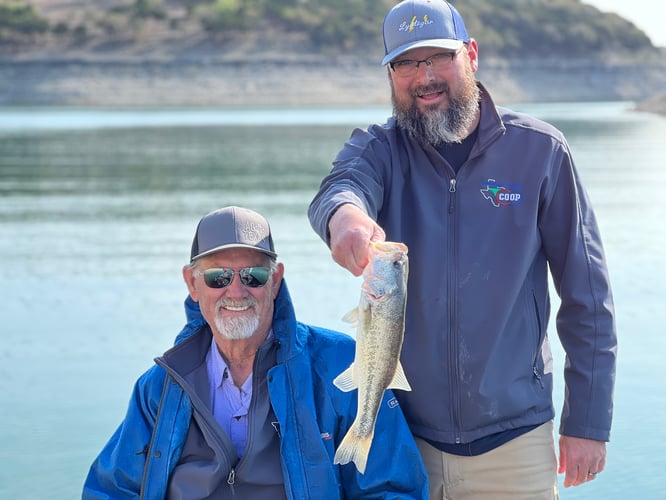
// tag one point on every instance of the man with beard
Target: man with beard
(487, 200)
(244, 406)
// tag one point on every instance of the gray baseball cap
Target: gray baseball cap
(422, 23)
(232, 227)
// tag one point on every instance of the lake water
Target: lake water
(97, 211)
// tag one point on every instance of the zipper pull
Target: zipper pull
(452, 190)
(231, 479)
(537, 375)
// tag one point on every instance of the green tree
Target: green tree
(22, 19)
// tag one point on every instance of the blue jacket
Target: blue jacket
(313, 416)
(481, 243)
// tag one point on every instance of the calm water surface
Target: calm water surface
(97, 211)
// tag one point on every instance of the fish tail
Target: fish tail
(353, 449)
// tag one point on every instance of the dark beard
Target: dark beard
(435, 127)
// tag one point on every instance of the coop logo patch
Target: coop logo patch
(502, 195)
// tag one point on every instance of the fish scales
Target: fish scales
(380, 323)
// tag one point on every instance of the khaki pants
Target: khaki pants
(525, 468)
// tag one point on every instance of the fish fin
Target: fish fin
(351, 317)
(400, 380)
(345, 381)
(353, 449)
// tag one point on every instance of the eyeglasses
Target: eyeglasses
(251, 277)
(409, 67)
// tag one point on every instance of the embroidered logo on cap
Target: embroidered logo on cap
(253, 232)
(415, 23)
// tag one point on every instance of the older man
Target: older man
(488, 201)
(243, 406)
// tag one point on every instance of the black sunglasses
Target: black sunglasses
(221, 277)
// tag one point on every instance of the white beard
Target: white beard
(436, 127)
(240, 327)
(237, 328)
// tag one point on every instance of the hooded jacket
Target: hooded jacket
(481, 241)
(312, 414)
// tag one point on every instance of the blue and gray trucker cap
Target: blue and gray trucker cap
(232, 227)
(422, 23)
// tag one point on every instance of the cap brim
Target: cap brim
(440, 43)
(234, 245)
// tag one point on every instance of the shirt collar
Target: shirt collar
(217, 366)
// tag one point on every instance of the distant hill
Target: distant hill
(179, 28)
(298, 52)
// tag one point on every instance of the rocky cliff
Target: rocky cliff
(100, 58)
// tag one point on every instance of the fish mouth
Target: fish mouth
(375, 293)
(389, 246)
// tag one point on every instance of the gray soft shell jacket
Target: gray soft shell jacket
(480, 242)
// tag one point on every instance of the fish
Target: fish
(379, 319)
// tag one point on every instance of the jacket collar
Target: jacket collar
(490, 125)
(290, 338)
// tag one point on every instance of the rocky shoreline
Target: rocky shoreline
(343, 81)
(151, 63)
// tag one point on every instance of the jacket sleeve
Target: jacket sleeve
(395, 469)
(118, 470)
(358, 177)
(585, 320)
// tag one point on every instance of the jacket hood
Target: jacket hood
(288, 332)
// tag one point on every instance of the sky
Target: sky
(647, 15)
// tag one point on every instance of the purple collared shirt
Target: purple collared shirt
(229, 403)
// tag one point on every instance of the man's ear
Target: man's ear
(188, 277)
(473, 54)
(277, 279)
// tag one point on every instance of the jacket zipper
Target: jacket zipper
(205, 428)
(453, 330)
(537, 352)
(231, 478)
(149, 449)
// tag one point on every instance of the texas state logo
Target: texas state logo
(502, 195)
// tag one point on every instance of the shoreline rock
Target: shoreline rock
(655, 105)
(303, 81)
(109, 54)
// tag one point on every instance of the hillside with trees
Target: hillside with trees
(567, 28)
(205, 52)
